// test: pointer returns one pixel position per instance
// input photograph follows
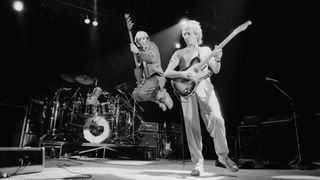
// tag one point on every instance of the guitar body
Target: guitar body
(186, 88)
(166, 145)
(167, 149)
(138, 73)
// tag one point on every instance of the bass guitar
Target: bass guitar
(138, 71)
(185, 88)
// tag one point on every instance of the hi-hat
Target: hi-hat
(84, 79)
(68, 78)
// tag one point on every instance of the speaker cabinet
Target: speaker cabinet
(21, 160)
(12, 128)
(268, 141)
(149, 138)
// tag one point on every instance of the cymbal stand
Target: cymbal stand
(54, 115)
(117, 120)
(73, 99)
(134, 115)
(294, 117)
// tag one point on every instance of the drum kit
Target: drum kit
(96, 117)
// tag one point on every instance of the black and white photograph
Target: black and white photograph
(144, 89)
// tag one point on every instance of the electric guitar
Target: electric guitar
(185, 88)
(166, 144)
(138, 71)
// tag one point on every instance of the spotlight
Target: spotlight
(87, 20)
(18, 6)
(95, 22)
(177, 45)
(183, 21)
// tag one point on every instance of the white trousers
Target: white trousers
(210, 112)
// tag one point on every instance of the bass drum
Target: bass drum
(96, 129)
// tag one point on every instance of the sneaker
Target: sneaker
(198, 169)
(229, 164)
(195, 172)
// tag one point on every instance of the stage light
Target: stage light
(177, 45)
(87, 20)
(18, 6)
(95, 22)
(183, 21)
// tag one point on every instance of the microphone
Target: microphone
(271, 80)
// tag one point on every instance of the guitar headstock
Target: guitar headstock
(242, 27)
(129, 22)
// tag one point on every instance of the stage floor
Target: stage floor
(164, 169)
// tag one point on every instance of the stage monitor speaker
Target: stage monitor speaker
(21, 160)
(12, 128)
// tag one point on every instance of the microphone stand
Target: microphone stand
(294, 117)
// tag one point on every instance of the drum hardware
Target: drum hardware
(56, 115)
(129, 130)
(111, 119)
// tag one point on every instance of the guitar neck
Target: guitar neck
(134, 55)
(223, 43)
(220, 46)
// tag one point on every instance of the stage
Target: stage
(103, 168)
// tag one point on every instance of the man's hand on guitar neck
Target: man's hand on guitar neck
(134, 48)
(217, 53)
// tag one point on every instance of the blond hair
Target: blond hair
(139, 35)
(196, 28)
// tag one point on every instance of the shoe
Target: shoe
(230, 165)
(195, 172)
(166, 99)
(198, 169)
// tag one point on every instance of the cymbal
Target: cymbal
(124, 86)
(67, 78)
(84, 79)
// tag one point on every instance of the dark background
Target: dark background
(50, 38)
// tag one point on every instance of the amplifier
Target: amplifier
(269, 141)
(21, 160)
(174, 128)
(149, 138)
(149, 126)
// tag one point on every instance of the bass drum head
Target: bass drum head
(96, 129)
